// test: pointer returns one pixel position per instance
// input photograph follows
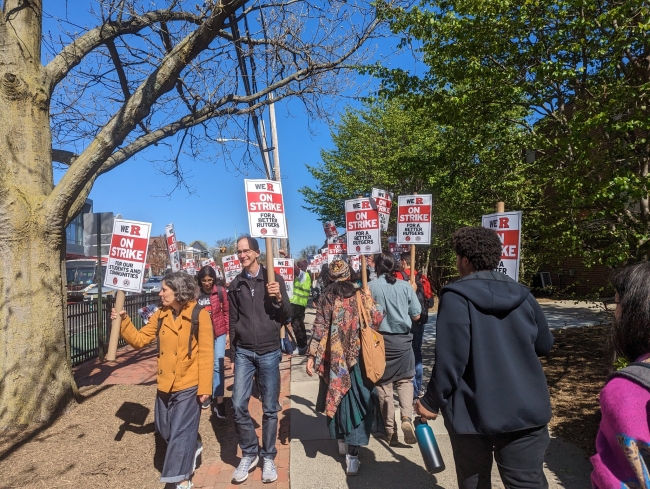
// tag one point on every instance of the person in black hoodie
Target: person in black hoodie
(487, 378)
(257, 310)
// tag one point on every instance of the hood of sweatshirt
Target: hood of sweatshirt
(490, 292)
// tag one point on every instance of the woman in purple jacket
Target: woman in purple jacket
(623, 442)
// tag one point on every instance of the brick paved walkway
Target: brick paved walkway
(139, 367)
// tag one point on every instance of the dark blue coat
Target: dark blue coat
(487, 378)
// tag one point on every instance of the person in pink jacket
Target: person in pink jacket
(214, 297)
(622, 460)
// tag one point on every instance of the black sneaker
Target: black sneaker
(220, 411)
(206, 403)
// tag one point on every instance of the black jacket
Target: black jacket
(255, 318)
(487, 378)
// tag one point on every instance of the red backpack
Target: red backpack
(428, 293)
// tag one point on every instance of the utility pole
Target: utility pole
(284, 243)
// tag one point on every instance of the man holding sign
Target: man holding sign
(258, 308)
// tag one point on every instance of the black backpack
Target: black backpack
(193, 332)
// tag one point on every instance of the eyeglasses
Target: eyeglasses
(244, 252)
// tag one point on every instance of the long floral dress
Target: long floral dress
(349, 400)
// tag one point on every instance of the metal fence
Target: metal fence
(89, 333)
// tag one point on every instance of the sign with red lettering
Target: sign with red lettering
(414, 219)
(337, 249)
(128, 255)
(330, 229)
(362, 226)
(384, 201)
(284, 268)
(396, 249)
(190, 266)
(265, 209)
(508, 226)
(231, 267)
(174, 255)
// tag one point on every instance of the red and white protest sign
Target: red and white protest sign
(396, 249)
(231, 267)
(337, 249)
(128, 255)
(384, 201)
(330, 229)
(414, 219)
(265, 209)
(174, 255)
(508, 226)
(284, 268)
(362, 226)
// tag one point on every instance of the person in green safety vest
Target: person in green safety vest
(301, 290)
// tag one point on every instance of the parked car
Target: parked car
(80, 276)
(153, 285)
(90, 293)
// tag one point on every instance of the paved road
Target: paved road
(315, 462)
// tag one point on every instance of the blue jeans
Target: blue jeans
(267, 368)
(218, 373)
(418, 334)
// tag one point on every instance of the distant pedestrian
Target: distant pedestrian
(184, 377)
(257, 311)
(301, 289)
(345, 394)
(213, 296)
(398, 300)
(487, 379)
(623, 441)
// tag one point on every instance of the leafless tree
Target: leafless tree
(170, 72)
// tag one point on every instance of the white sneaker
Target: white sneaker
(343, 448)
(246, 464)
(269, 472)
(352, 465)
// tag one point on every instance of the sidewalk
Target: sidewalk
(315, 462)
(139, 368)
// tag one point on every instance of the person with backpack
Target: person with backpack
(623, 439)
(258, 309)
(185, 361)
(402, 308)
(417, 325)
(214, 298)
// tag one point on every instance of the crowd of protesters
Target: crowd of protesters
(487, 380)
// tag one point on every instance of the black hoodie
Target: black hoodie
(487, 378)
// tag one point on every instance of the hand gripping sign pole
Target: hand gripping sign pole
(125, 268)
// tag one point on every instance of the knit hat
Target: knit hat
(339, 271)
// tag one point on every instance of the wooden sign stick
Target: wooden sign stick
(270, 271)
(115, 327)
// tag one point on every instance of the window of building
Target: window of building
(74, 233)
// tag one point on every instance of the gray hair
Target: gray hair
(183, 285)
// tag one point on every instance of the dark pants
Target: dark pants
(267, 368)
(417, 329)
(298, 324)
(519, 456)
(176, 418)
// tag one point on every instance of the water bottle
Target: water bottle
(428, 447)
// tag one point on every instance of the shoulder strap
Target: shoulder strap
(363, 314)
(194, 331)
(221, 295)
(638, 372)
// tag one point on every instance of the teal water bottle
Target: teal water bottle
(428, 447)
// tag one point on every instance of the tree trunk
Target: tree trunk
(35, 375)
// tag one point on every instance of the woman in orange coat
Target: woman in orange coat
(184, 372)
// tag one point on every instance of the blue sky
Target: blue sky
(217, 208)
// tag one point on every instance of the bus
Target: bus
(81, 275)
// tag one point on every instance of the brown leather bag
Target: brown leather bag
(373, 350)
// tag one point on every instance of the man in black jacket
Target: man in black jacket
(257, 310)
(487, 379)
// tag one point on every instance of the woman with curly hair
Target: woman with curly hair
(184, 379)
(345, 395)
(623, 440)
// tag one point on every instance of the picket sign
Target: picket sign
(384, 201)
(265, 206)
(337, 249)
(508, 226)
(231, 267)
(330, 229)
(284, 268)
(414, 219)
(172, 249)
(362, 226)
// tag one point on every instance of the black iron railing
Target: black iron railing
(87, 338)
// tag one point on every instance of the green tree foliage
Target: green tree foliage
(571, 78)
(402, 149)
(308, 250)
